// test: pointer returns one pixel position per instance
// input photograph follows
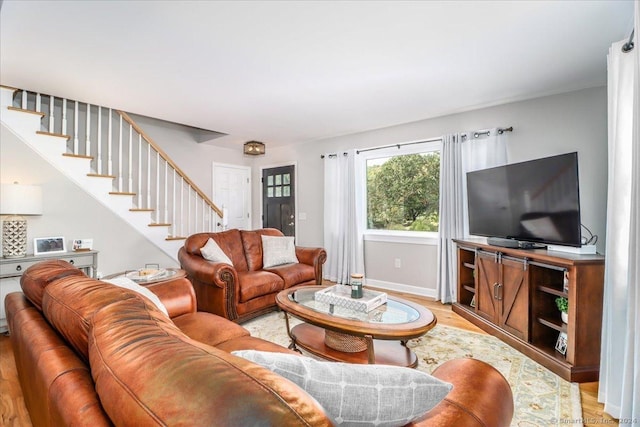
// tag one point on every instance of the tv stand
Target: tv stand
(510, 293)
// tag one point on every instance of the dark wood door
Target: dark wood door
(488, 277)
(514, 298)
(278, 199)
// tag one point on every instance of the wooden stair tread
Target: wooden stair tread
(159, 224)
(77, 156)
(141, 210)
(175, 238)
(22, 110)
(121, 193)
(97, 175)
(57, 135)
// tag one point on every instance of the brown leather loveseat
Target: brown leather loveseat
(245, 289)
(92, 354)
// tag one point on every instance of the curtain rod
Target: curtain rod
(399, 145)
(478, 134)
(628, 46)
(332, 155)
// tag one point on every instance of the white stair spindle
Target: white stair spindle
(130, 158)
(75, 129)
(166, 191)
(158, 211)
(99, 167)
(23, 105)
(173, 204)
(38, 103)
(189, 211)
(64, 130)
(110, 144)
(148, 176)
(87, 140)
(52, 109)
(139, 170)
(120, 142)
(182, 220)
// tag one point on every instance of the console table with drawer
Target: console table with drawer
(12, 268)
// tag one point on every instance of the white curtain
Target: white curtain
(461, 153)
(619, 387)
(343, 228)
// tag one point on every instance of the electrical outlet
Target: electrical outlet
(398, 263)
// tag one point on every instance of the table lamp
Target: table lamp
(15, 200)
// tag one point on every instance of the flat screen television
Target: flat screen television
(536, 201)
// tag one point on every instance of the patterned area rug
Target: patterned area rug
(541, 398)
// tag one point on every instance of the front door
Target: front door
(232, 193)
(278, 199)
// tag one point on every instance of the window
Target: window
(403, 188)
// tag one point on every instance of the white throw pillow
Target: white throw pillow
(212, 252)
(358, 395)
(125, 282)
(278, 250)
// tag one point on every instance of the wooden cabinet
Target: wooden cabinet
(511, 294)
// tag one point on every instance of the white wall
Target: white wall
(70, 212)
(575, 121)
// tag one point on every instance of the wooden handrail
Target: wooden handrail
(166, 158)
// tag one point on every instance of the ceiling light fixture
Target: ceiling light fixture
(254, 148)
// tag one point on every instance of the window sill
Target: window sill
(406, 237)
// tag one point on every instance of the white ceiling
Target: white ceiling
(288, 72)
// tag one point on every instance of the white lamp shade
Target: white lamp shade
(18, 199)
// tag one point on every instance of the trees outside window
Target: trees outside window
(403, 192)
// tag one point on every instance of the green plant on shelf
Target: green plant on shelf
(563, 304)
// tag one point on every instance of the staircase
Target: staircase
(107, 154)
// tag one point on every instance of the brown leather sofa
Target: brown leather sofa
(91, 354)
(245, 289)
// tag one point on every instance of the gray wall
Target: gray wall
(575, 121)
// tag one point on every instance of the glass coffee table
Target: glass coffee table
(340, 334)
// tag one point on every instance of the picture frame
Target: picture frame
(561, 343)
(79, 245)
(49, 245)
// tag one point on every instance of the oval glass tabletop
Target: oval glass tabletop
(392, 312)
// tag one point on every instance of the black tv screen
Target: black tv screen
(532, 201)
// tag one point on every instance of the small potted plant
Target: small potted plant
(563, 305)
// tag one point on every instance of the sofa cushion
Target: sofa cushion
(278, 251)
(37, 277)
(294, 274)
(148, 373)
(126, 283)
(212, 252)
(209, 328)
(252, 244)
(357, 395)
(255, 284)
(70, 303)
(229, 241)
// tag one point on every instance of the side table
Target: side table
(171, 274)
(11, 270)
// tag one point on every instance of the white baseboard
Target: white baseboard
(399, 287)
(585, 249)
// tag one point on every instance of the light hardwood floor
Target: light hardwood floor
(13, 412)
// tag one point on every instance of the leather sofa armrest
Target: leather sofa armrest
(481, 396)
(219, 274)
(177, 296)
(315, 257)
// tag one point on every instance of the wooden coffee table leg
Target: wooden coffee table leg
(370, 352)
(292, 346)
